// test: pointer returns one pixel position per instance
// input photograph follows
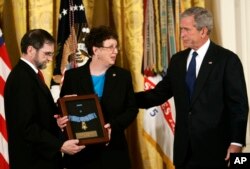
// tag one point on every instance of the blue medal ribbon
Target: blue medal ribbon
(86, 118)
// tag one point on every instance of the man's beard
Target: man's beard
(41, 65)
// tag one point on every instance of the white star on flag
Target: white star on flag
(81, 7)
(64, 12)
(75, 8)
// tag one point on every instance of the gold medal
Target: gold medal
(84, 126)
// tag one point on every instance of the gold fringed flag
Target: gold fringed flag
(159, 125)
(72, 29)
(159, 45)
(164, 34)
(171, 28)
(160, 35)
(149, 55)
(71, 50)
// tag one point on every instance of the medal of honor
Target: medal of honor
(84, 126)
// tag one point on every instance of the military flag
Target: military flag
(71, 50)
(72, 29)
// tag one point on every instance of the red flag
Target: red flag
(5, 67)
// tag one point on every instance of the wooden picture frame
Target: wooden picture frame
(86, 121)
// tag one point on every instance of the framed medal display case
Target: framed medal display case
(86, 121)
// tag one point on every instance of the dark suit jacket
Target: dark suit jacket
(119, 109)
(217, 112)
(32, 130)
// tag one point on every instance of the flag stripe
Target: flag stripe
(4, 56)
(166, 109)
(4, 148)
(5, 68)
(2, 122)
(1, 86)
(3, 163)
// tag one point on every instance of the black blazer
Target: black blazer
(217, 112)
(33, 134)
(119, 109)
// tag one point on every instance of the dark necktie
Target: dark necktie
(40, 75)
(191, 74)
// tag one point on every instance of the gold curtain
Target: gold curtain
(189, 3)
(128, 21)
(126, 16)
(20, 16)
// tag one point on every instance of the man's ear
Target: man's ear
(31, 51)
(204, 32)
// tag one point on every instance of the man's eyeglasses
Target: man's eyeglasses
(111, 48)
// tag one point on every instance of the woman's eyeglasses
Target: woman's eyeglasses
(111, 48)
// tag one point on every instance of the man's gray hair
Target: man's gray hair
(202, 17)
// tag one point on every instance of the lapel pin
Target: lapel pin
(114, 74)
(210, 63)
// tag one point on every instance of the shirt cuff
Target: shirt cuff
(237, 144)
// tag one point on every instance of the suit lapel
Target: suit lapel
(183, 72)
(110, 81)
(206, 66)
(86, 81)
(34, 76)
(43, 86)
(85, 84)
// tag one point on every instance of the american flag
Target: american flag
(5, 67)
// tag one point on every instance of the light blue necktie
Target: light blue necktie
(191, 74)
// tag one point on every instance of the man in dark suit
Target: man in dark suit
(33, 134)
(212, 107)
